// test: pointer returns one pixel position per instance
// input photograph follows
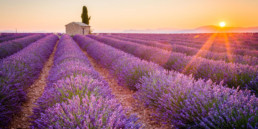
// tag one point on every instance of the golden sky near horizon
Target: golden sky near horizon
(108, 15)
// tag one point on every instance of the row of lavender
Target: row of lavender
(238, 51)
(18, 72)
(12, 36)
(179, 100)
(243, 41)
(177, 39)
(232, 74)
(199, 37)
(243, 47)
(235, 41)
(77, 96)
(9, 34)
(189, 51)
(10, 47)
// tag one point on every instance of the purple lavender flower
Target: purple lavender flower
(18, 72)
(77, 96)
(10, 47)
(180, 100)
(232, 74)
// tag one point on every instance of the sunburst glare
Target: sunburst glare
(222, 24)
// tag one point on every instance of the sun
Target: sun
(222, 24)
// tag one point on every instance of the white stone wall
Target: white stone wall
(86, 30)
(73, 29)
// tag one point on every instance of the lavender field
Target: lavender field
(129, 81)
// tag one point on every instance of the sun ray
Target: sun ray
(228, 48)
(206, 46)
(196, 36)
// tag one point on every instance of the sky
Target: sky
(118, 15)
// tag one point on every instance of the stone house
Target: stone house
(74, 28)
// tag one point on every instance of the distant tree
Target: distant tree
(84, 16)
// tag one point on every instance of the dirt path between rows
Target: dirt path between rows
(35, 91)
(125, 97)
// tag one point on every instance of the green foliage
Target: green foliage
(84, 16)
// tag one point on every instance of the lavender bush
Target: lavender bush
(186, 103)
(232, 74)
(89, 112)
(127, 68)
(189, 51)
(10, 47)
(69, 60)
(76, 96)
(180, 100)
(12, 36)
(18, 72)
(239, 44)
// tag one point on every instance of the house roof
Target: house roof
(78, 23)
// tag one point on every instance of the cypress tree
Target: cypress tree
(84, 16)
